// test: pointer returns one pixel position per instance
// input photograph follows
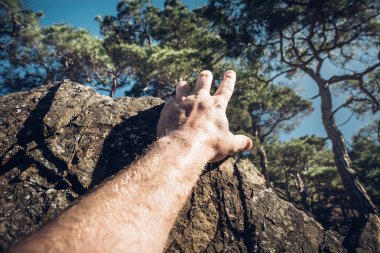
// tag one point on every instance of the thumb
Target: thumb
(241, 142)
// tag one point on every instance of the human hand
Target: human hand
(201, 118)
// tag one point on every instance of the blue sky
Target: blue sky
(81, 14)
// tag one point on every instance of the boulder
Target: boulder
(59, 140)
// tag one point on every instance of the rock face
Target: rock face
(56, 142)
(59, 140)
(230, 210)
(369, 238)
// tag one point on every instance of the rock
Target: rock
(56, 142)
(230, 210)
(59, 140)
(369, 238)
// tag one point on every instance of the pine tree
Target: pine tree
(174, 43)
(304, 38)
(32, 55)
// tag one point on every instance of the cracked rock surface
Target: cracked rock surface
(59, 140)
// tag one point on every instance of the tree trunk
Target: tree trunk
(342, 205)
(261, 151)
(352, 186)
(264, 164)
(302, 191)
(114, 87)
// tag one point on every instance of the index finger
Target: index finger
(226, 88)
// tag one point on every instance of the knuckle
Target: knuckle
(202, 106)
(220, 102)
(232, 150)
(182, 83)
(225, 86)
(220, 124)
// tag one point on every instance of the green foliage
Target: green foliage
(365, 155)
(72, 53)
(304, 170)
(260, 110)
(34, 55)
(17, 24)
(19, 36)
(177, 43)
(305, 37)
(363, 96)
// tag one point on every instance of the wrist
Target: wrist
(187, 142)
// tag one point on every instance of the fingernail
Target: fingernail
(229, 73)
(249, 145)
(205, 73)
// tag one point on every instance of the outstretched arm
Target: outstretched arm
(135, 210)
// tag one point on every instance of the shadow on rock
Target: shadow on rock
(32, 138)
(125, 142)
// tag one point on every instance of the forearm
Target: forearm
(137, 206)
